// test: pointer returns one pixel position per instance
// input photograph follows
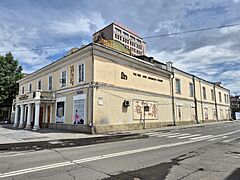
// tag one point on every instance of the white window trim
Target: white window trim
(80, 97)
(48, 82)
(84, 79)
(64, 69)
(29, 87)
(180, 88)
(41, 84)
(60, 100)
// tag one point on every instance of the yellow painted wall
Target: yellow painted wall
(112, 112)
(106, 71)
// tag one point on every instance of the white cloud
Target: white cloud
(78, 24)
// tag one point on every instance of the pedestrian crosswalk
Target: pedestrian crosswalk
(186, 136)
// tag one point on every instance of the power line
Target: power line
(42, 48)
(191, 31)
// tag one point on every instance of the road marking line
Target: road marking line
(12, 155)
(229, 140)
(214, 139)
(201, 137)
(163, 134)
(79, 161)
(194, 135)
(178, 135)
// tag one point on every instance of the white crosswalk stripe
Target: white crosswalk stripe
(217, 138)
(229, 140)
(173, 136)
(161, 134)
(207, 136)
(194, 135)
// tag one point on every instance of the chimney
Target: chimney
(169, 65)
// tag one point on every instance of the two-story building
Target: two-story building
(99, 89)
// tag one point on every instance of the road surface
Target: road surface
(210, 152)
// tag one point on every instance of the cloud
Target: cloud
(214, 55)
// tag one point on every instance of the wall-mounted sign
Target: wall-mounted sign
(23, 97)
(123, 76)
(79, 92)
(100, 101)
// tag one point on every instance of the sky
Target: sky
(29, 25)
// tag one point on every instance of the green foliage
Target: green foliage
(10, 73)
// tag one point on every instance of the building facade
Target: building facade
(235, 106)
(98, 89)
(128, 38)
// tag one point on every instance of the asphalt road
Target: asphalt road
(210, 152)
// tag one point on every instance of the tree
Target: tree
(10, 73)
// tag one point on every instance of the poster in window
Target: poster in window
(60, 112)
(138, 110)
(79, 114)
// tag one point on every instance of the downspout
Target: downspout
(201, 100)
(195, 99)
(92, 92)
(215, 98)
(173, 103)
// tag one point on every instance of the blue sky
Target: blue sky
(213, 55)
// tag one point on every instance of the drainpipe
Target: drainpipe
(195, 99)
(173, 103)
(201, 100)
(170, 68)
(92, 92)
(215, 98)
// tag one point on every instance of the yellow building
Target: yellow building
(99, 89)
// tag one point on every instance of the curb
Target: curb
(60, 143)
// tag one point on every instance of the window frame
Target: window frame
(176, 89)
(50, 75)
(220, 96)
(84, 72)
(39, 80)
(212, 95)
(61, 84)
(191, 89)
(204, 92)
(30, 87)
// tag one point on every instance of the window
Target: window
(178, 86)
(118, 30)
(30, 87)
(225, 98)
(23, 90)
(60, 109)
(50, 82)
(81, 73)
(206, 113)
(191, 90)
(79, 109)
(39, 85)
(64, 78)
(220, 97)
(212, 94)
(204, 93)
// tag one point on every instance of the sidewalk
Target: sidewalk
(20, 139)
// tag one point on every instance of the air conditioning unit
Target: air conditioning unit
(146, 108)
(126, 103)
